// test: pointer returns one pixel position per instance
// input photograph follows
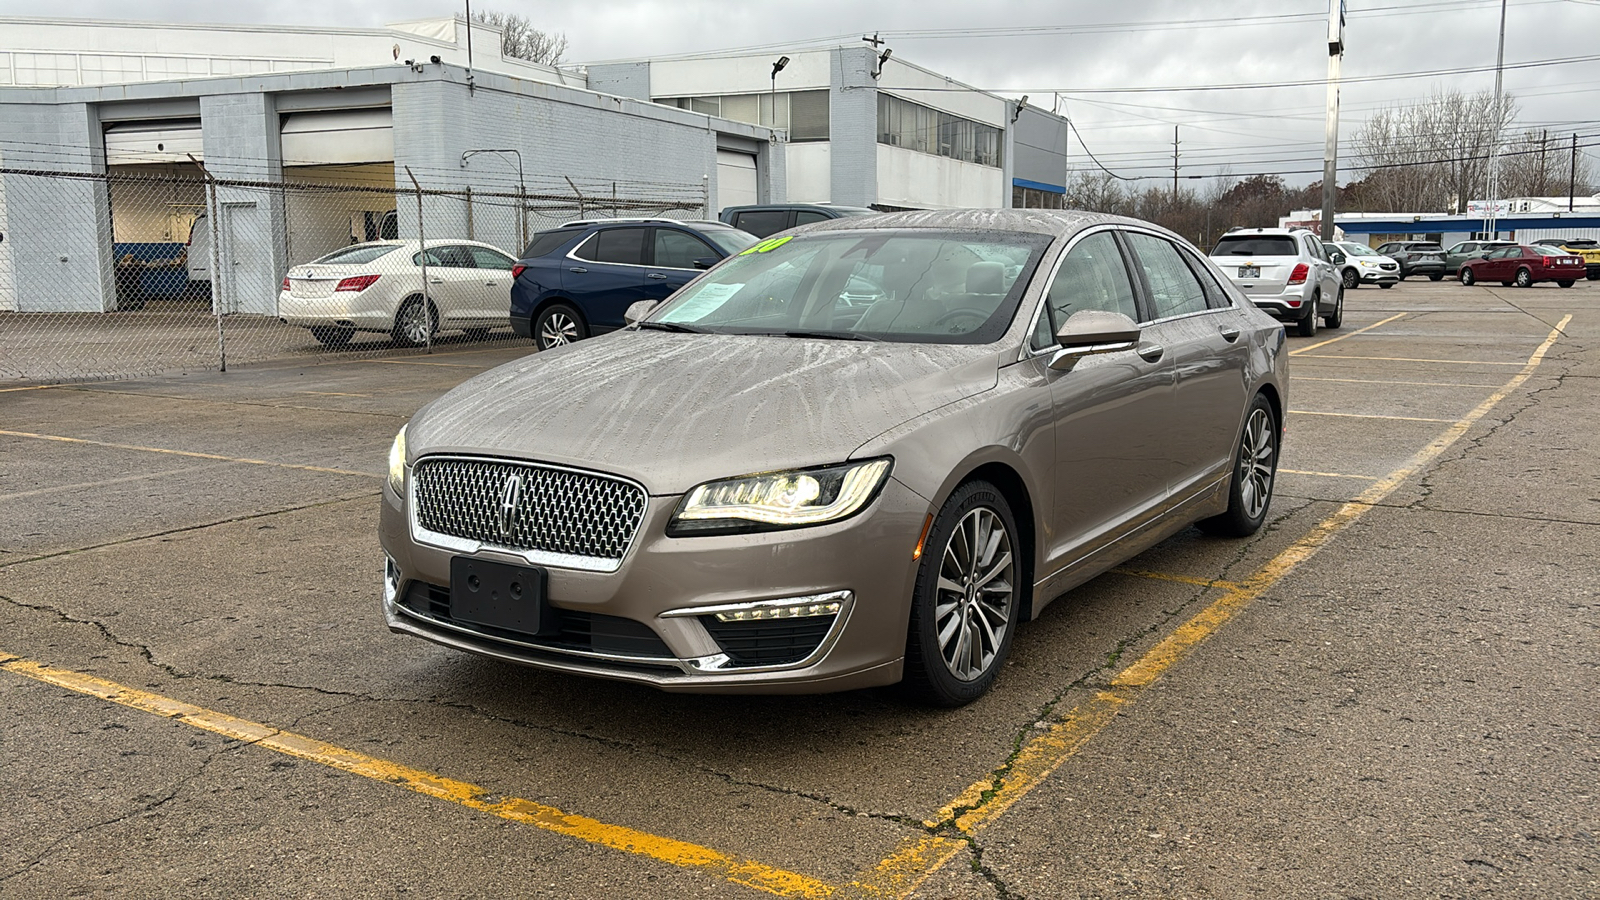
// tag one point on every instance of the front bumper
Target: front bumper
(644, 622)
(1379, 276)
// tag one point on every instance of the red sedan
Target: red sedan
(1523, 265)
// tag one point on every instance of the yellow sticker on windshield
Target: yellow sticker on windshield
(770, 244)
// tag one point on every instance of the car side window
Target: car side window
(1174, 290)
(435, 257)
(615, 245)
(679, 249)
(457, 258)
(1216, 296)
(1092, 276)
(807, 216)
(489, 259)
(762, 222)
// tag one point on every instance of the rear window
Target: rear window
(546, 243)
(1583, 243)
(355, 256)
(1549, 251)
(1256, 245)
(730, 240)
(1426, 248)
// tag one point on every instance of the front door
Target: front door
(672, 263)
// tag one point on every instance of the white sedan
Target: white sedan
(378, 286)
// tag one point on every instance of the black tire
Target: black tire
(1386, 285)
(1566, 283)
(1350, 279)
(332, 336)
(1505, 284)
(984, 591)
(410, 322)
(1593, 276)
(1439, 276)
(1467, 278)
(558, 324)
(1524, 278)
(1336, 318)
(1308, 322)
(1255, 471)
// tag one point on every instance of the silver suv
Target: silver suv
(1286, 272)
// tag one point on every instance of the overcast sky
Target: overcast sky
(1082, 49)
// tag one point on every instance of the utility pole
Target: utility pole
(1544, 167)
(1330, 151)
(1572, 183)
(1490, 227)
(1174, 165)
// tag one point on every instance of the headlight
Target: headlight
(397, 464)
(778, 500)
(1368, 264)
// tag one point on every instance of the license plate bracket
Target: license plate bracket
(498, 595)
(1249, 271)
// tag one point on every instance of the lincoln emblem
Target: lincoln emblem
(510, 500)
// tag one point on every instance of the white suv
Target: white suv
(1286, 273)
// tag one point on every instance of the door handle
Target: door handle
(436, 281)
(1151, 352)
(492, 283)
(657, 275)
(1230, 334)
(579, 269)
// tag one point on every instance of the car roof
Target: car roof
(1063, 223)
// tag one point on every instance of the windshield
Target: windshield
(1248, 245)
(916, 286)
(355, 256)
(729, 240)
(1358, 250)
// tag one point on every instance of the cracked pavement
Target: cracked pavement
(1411, 712)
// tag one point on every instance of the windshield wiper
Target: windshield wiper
(672, 326)
(830, 335)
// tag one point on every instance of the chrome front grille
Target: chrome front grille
(530, 508)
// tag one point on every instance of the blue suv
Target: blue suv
(578, 279)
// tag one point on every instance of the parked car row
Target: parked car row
(1524, 266)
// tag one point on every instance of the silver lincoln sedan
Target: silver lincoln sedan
(862, 452)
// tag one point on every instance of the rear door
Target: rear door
(605, 274)
(673, 252)
(492, 296)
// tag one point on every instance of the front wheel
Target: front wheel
(1336, 318)
(967, 598)
(1524, 278)
(1308, 322)
(1255, 469)
(556, 325)
(1467, 278)
(1351, 279)
(1386, 285)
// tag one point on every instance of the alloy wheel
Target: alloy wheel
(974, 601)
(1524, 278)
(557, 329)
(1257, 463)
(415, 322)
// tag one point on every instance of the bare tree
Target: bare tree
(520, 40)
(1433, 154)
(1537, 163)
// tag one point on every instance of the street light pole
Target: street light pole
(776, 68)
(522, 192)
(1330, 151)
(1490, 226)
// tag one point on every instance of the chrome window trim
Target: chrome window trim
(1028, 351)
(455, 544)
(572, 254)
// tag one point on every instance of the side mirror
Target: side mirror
(1338, 258)
(638, 310)
(1090, 332)
(706, 262)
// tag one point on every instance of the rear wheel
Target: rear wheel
(415, 324)
(1438, 276)
(1593, 276)
(1524, 278)
(965, 603)
(556, 325)
(1255, 469)
(1566, 283)
(1308, 322)
(1467, 278)
(332, 336)
(1386, 285)
(1336, 318)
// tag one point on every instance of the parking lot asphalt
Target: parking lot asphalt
(1389, 691)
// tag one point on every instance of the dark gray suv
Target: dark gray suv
(1416, 258)
(769, 219)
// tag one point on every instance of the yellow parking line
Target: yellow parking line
(528, 812)
(189, 453)
(1309, 412)
(1451, 362)
(1341, 337)
(1385, 381)
(31, 387)
(1327, 474)
(987, 799)
(1180, 579)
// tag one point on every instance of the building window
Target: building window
(1032, 198)
(804, 114)
(902, 123)
(105, 69)
(5, 68)
(46, 68)
(161, 68)
(240, 66)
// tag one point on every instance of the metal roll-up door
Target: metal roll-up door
(166, 141)
(338, 137)
(736, 179)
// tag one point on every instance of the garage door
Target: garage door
(736, 179)
(169, 141)
(338, 137)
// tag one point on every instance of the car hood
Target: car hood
(675, 410)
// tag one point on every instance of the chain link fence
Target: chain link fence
(132, 273)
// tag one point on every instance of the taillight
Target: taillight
(516, 271)
(356, 283)
(286, 282)
(1298, 276)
